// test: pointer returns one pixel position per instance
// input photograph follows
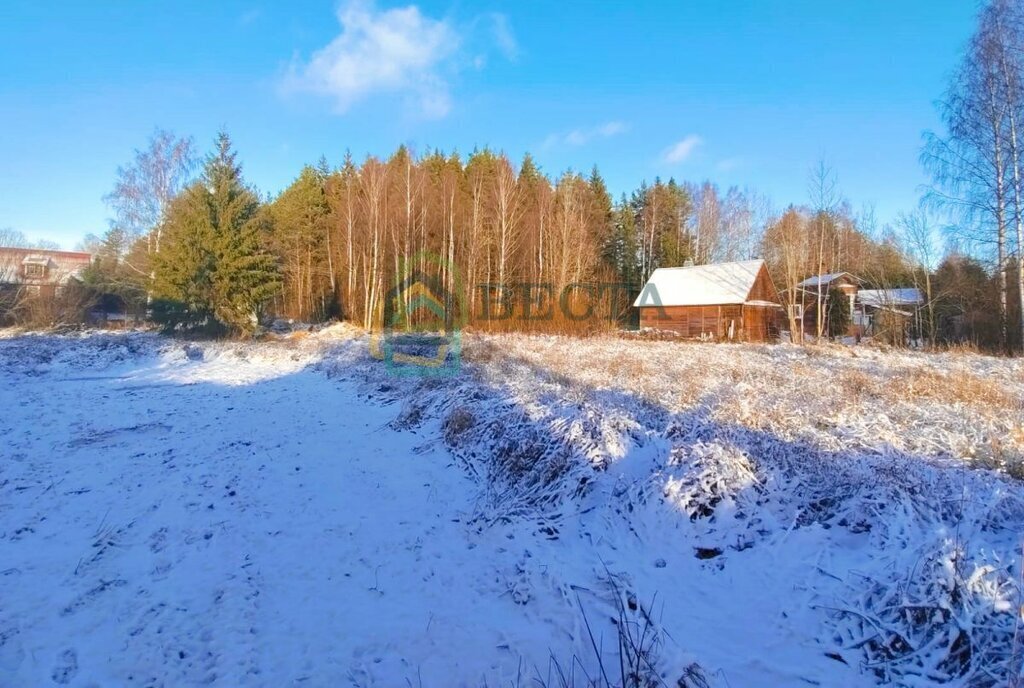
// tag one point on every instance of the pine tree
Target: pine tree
(299, 237)
(212, 271)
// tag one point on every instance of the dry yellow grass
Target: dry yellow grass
(834, 396)
(955, 387)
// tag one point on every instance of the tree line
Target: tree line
(210, 250)
(192, 244)
(977, 161)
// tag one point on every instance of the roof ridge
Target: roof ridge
(45, 251)
(711, 265)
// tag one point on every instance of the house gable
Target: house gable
(763, 289)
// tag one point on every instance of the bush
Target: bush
(68, 305)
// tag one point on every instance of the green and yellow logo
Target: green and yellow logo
(421, 319)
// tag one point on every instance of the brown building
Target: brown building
(40, 272)
(889, 313)
(722, 302)
(826, 286)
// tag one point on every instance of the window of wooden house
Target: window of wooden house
(34, 271)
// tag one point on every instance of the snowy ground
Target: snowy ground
(287, 514)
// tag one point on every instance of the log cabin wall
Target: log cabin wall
(731, 322)
(760, 324)
(717, 322)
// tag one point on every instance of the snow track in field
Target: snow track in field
(239, 521)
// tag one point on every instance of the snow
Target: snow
(908, 296)
(286, 513)
(701, 285)
(822, 280)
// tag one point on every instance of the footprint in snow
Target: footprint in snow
(158, 540)
(67, 667)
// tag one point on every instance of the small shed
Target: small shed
(722, 301)
(890, 313)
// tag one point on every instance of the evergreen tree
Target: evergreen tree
(529, 173)
(837, 315)
(212, 271)
(601, 211)
(119, 273)
(676, 244)
(299, 237)
(615, 252)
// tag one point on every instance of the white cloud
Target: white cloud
(398, 51)
(681, 150)
(729, 164)
(579, 137)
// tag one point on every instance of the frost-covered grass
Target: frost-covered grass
(582, 512)
(953, 405)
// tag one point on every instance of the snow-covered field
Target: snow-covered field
(288, 514)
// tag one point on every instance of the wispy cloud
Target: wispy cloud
(250, 16)
(501, 32)
(398, 51)
(582, 136)
(489, 33)
(682, 150)
(729, 164)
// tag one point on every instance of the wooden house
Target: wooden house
(873, 312)
(723, 302)
(823, 287)
(40, 272)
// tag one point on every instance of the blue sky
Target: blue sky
(748, 93)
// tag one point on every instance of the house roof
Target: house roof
(825, 280)
(701, 285)
(890, 297)
(39, 252)
(61, 266)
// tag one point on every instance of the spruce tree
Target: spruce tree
(529, 173)
(299, 232)
(212, 271)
